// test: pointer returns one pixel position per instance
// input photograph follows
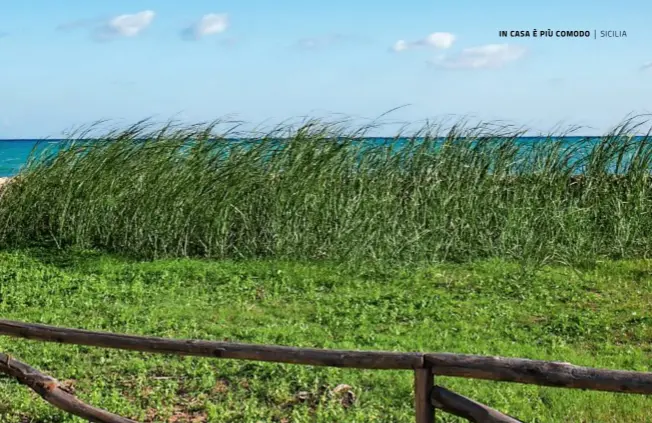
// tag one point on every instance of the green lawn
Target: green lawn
(598, 317)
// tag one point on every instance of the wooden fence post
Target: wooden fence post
(424, 381)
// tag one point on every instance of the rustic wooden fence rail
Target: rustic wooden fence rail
(425, 366)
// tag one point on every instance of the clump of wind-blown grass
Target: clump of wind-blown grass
(319, 193)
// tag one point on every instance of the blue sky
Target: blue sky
(69, 62)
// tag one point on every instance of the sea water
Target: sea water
(15, 153)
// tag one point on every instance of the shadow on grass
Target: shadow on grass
(70, 258)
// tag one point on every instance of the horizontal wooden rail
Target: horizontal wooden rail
(536, 372)
(216, 349)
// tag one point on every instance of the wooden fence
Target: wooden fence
(425, 366)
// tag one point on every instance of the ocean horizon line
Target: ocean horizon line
(387, 137)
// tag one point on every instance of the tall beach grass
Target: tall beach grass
(320, 191)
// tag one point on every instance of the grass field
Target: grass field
(595, 317)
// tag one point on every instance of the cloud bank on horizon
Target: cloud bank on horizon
(354, 68)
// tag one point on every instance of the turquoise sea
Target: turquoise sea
(14, 153)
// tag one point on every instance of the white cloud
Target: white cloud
(212, 23)
(487, 56)
(439, 40)
(127, 25)
(646, 66)
(400, 45)
(108, 28)
(130, 25)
